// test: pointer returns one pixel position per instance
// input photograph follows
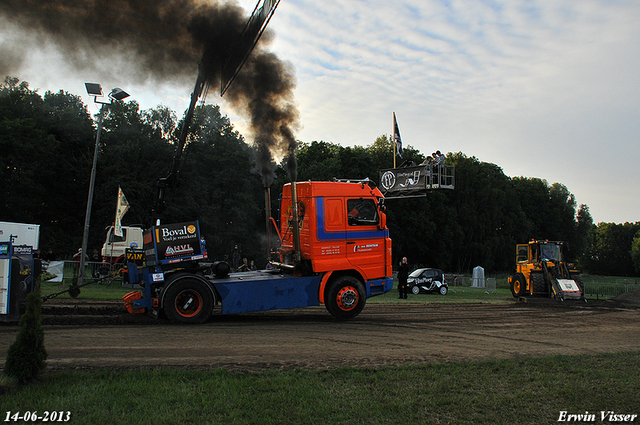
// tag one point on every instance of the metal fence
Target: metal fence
(457, 280)
(607, 289)
(66, 270)
(491, 284)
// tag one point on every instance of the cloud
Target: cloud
(546, 89)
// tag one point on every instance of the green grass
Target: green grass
(524, 391)
(458, 294)
(93, 291)
(115, 291)
(521, 391)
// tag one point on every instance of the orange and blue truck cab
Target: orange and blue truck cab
(344, 257)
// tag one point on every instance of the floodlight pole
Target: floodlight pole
(87, 216)
(117, 94)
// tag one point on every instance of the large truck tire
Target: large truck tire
(540, 286)
(518, 285)
(345, 297)
(188, 300)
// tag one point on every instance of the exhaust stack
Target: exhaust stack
(267, 216)
(296, 229)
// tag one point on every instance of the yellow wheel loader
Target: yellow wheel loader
(542, 271)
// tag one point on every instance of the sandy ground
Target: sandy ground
(88, 336)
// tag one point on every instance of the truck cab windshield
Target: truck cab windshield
(115, 238)
(362, 212)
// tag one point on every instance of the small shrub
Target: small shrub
(27, 355)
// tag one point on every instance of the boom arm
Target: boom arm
(248, 39)
(172, 177)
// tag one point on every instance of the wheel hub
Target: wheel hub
(188, 303)
(347, 298)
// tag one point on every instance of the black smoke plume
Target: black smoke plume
(167, 40)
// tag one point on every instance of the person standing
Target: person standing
(236, 256)
(403, 275)
(244, 267)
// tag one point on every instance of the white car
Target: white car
(427, 281)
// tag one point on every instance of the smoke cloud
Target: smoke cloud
(167, 40)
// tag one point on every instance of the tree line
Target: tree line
(47, 145)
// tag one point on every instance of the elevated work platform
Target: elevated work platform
(416, 181)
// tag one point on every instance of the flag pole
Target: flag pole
(393, 140)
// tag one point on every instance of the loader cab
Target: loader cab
(522, 253)
(551, 252)
(534, 252)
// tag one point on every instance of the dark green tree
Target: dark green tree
(549, 213)
(47, 146)
(486, 213)
(635, 253)
(219, 186)
(47, 150)
(584, 234)
(611, 252)
(133, 155)
(319, 161)
(381, 152)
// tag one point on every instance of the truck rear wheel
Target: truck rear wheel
(345, 297)
(188, 300)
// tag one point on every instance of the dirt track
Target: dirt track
(383, 334)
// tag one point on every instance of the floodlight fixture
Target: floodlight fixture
(93, 89)
(118, 94)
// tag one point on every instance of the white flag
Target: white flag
(121, 209)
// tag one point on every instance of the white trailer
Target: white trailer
(20, 234)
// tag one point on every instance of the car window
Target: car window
(416, 273)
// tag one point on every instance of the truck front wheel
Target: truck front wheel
(188, 300)
(345, 298)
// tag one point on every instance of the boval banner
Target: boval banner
(172, 242)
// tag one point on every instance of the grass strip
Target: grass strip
(520, 391)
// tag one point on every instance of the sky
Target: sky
(542, 88)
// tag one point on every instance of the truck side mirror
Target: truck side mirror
(382, 224)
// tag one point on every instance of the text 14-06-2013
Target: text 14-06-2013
(46, 416)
